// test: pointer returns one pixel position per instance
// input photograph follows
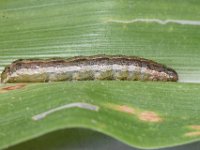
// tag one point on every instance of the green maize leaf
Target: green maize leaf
(140, 114)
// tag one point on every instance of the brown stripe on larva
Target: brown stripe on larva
(97, 67)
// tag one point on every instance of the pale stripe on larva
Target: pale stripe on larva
(98, 67)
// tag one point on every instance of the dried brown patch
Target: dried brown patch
(195, 127)
(13, 87)
(149, 116)
(195, 133)
(1, 91)
(122, 108)
(126, 109)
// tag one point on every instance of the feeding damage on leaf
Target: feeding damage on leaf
(146, 116)
(195, 132)
(12, 87)
(66, 106)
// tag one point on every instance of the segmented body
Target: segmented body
(98, 67)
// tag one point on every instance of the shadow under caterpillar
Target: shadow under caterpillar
(96, 67)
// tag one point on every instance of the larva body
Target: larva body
(98, 67)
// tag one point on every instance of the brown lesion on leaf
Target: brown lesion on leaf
(195, 127)
(146, 116)
(191, 134)
(149, 116)
(2, 91)
(126, 109)
(122, 108)
(12, 87)
(195, 132)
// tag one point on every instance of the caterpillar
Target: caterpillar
(96, 67)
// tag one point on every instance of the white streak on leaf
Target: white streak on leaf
(159, 21)
(71, 105)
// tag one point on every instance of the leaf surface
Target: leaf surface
(141, 114)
